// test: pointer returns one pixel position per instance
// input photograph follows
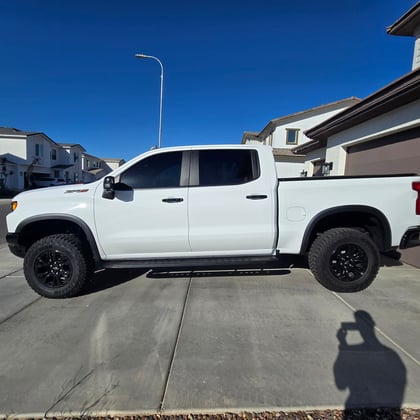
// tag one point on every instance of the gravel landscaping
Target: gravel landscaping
(354, 414)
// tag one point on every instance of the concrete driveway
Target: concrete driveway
(147, 342)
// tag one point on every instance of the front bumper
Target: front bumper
(411, 238)
(14, 246)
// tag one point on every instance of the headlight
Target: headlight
(13, 205)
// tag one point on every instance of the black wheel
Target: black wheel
(344, 260)
(56, 267)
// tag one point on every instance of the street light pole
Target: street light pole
(161, 94)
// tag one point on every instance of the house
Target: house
(94, 168)
(71, 158)
(284, 133)
(113, 163)
(27, 157)
(378, 135)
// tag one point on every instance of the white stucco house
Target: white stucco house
(283, 134)
(27, 157)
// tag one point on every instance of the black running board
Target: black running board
(192, 263)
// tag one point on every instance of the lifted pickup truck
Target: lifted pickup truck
(209, 206)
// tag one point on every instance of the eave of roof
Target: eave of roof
(398, 93)
(250, 135)
(4, 160)
(285, 152)
(65, 145)
(406, 25)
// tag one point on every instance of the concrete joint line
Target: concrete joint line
(181, 323)
(380, 332)
(20, 310)
(9, 274)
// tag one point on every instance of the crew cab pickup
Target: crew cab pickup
(210, 206)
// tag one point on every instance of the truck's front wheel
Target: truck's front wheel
(344, 260)
(56, 267)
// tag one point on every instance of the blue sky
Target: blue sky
(68, 67)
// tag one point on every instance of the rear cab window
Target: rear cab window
(226, 167)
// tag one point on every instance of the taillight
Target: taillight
(416, 187)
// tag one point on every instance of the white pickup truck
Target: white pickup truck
(210, 206)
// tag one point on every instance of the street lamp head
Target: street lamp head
(142, 56)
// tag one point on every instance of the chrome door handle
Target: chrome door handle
(257, 197)
(173, 200)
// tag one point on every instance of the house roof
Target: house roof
(10, 131)
(4, 160)
(271, 126)
(15, 131)
(69, 145)
(406, 25)
(88, 155)
(114, 160)
(398, 93)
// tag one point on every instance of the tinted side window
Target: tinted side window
(227, 167)
(158, 171)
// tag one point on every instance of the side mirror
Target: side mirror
(109, 192)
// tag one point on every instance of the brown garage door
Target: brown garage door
(399, 153)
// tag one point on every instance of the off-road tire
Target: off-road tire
(56, 266)
(344, 260)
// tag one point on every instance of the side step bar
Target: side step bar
(192, 263)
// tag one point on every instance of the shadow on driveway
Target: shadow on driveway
(372, 374)
(107, 279)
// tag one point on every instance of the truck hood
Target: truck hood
(49, 192)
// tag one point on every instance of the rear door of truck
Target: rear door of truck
(231, 204)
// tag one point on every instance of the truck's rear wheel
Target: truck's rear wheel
(56, 267)
(344, 260)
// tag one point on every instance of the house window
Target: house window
(56, 174)
(53, 154)
(87, 163)
(39, 150)
(75, 157)
(292, 135)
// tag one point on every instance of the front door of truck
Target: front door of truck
(231, 207)
(148, 216)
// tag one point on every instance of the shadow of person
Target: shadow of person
(374, 374)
